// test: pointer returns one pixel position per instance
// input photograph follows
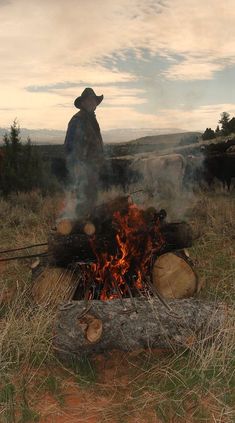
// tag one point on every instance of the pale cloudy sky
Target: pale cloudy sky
(159, 63)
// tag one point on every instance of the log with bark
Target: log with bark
(94, 327)
(65, 249)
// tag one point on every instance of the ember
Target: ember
(126, 272)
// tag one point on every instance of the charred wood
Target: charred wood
(65, 249)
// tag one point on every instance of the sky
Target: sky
(158, 63)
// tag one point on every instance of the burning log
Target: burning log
(177, 235)
(90, 328)
(65, 249)
(111, 256)
(121, 251)
(77, 247)
(105, 211)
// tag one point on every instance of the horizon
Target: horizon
(158, 63)
(113, 136)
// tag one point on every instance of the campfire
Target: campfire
(113, 250)
(106, 273)
(124, 272)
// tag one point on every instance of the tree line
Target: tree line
(22, 168)
(227, 127)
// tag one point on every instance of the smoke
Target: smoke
(89, 184)
(81, 190)
(163, 182)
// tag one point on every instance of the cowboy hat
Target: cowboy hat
(88, 92)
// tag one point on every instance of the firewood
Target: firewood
(174, 277)
(65, 226)
(77, 247)
(149, 325)
(89, 228)
(65, 249)
(53, 285)
(106, 210)
(178, 235)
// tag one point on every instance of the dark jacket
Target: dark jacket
(83, 141)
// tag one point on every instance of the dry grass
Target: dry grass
(152, 386)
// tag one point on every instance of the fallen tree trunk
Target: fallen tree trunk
(105, 326)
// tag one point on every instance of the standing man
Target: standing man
(84, 151)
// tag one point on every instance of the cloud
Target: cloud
(123, 100)
(51, 87)
(52, 48)
(193, 69)
(195, 118)
(4, 2)
(54, 39)
(85, 75)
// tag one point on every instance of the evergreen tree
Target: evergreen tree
(224, 121)
(208, 134)
(21, 167)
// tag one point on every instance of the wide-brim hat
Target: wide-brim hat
(88, 92)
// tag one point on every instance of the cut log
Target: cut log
(65, 226)
(89, 228)
(53, 285)
(149, 325)
(65, 249)
(100, 214)
(174, 277)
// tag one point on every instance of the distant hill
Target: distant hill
(170, 138)
(128, 134)
(155, 143)
(47, 136)
(158, 143)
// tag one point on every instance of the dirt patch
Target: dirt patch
(109, 399)
(79, 406)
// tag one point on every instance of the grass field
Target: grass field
(147, 386)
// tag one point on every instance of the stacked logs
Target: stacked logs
(71, 251)
(71, 239)
(87, 327)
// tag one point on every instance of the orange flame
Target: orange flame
(136, 243)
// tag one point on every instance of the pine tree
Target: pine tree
(224, 120)
(208, 134)
(22, 168)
